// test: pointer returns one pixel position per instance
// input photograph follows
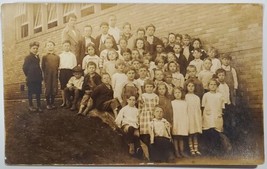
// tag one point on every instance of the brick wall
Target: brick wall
(235, 28)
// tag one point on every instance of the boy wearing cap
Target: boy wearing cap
(74, 88)
(100, 39)
(33, 73)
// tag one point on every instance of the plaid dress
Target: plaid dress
(146, 111)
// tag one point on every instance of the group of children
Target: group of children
(162, 94)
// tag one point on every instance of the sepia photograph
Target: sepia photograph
(131, 84)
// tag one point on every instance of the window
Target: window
(37, 18)
(87, 9)
(51, 16)
(106, 6)
(21, 21)
(67, 9)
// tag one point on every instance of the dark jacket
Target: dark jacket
(83, 50)
(101, 94)
(151, 48)
(86, 82)
(32, 69)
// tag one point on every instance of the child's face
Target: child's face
(177, 94)
(212, 54)
(207, 64)
(177, 49)
(121, 67)
(136, 65)
(190, 87)
(108, 43)
(131, 101)
(162, 90)
(170, 57)
(221, 77)
(171, 38)
(112, 55)
(168, 78)
(66, 47)
(212, 86)
(149, 88)
(34, 49)
(50, 46)
(178, 39)
(158, 113)
(139, 44)
(106, 79)
(91, 50)
(186, 41)
(160, 64)
(159, 48)
(123, 44)
(87, 31)
(126, 56)
(197, 54)
(140, 34)
(165, 41)
(91, 69)
(159, 75)
(77, 75)
(172, 67)
(127, 29)
(142, 72)
(146, 62)
(130, 74)
(104, 29)
(150, 31)
(226, 62)
(196, 44)
(135, 54)
(192, 72)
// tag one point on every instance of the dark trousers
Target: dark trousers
(161, 149)
(75, 93)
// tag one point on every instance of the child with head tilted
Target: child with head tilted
(90, 57)
(216, 63)
(180, 121)
(104, 53)
(127, 120)
(194, 117)
(146, 108)
(177, 77)
(164, 100)
(109, 66)
(192, 75)
(130, 88)
(74, 88)
(102, 96)
(197, 61)
(212, 124)
(160, 137)
(50, 64)
(206, 74)
(34, 78)
(91, 80)
(230, 76)
(67, 61)
(118, 79)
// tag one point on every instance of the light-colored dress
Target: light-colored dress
(213, 104)
(194, 113)
(117, 81)
(150, 100)
(180, 118)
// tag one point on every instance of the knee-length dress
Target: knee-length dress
(213, 104)
(180, 118)
(194, 113)
(146, 113)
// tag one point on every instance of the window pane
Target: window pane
(51, 13)
(105, 6)
(68, 8)
(37, 16)
(87, 11)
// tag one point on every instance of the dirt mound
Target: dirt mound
(60, 137)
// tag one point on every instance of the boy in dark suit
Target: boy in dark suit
(33, 73)
(86, 39)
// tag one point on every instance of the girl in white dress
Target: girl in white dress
(180, 121)
(194, 116)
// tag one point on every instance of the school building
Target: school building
(235, 28)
